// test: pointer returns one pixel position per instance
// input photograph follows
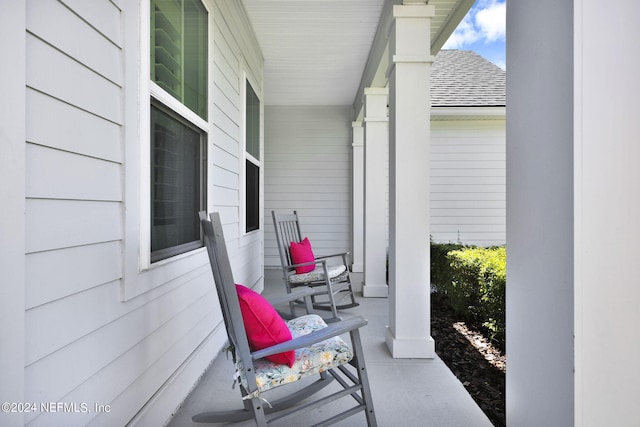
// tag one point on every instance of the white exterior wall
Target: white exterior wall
(308, 169)
(97, 329)
(468, 194)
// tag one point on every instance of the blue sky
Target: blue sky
(483, 31)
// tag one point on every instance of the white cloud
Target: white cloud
(486, 22)
(491, 21)
(466, 33)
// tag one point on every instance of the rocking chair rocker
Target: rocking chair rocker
(331, 282)
(319, 351)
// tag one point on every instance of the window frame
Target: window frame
(246, 78)
(139, 276)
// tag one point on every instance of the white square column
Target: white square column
(376, 133)
(357, 257)
(12, 215)
(409, 330)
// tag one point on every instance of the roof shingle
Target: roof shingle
(462, 78)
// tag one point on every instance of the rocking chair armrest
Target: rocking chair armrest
(303, 264)
(296, 294)
(332, 330)
(341, 254)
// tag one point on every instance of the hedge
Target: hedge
(473, 280)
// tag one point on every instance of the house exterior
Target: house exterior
(110, 302)
(468, 150)
(106, 305)
(122, 119)
(319, 174)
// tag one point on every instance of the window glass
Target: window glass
(179, 51)
(252, 196)
(252, 159)
(177, 185)
(252, 122)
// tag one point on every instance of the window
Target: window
(252, 159)
(179, 51)
(178, 159)
(178, 68)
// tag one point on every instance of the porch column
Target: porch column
(357, 258)
(409, 330)
(376, 132)
(12, 215)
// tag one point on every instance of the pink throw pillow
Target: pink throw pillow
(301, 253)
(264, 325)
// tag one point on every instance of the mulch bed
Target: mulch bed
(478, 364)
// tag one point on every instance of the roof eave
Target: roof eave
(374, 74)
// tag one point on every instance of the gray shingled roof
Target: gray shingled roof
(462, 78)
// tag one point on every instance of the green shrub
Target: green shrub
(440, 268)
(474, 281)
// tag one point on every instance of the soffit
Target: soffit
(315, 51)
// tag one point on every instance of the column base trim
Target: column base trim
(410, 348)
(375, 291)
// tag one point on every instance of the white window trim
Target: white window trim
(244, 156)
(139, 274)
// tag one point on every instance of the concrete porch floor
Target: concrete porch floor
(406, 392)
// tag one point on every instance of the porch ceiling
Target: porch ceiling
(317, 52)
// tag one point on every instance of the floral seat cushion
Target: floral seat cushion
(311, 360)
(317, 274)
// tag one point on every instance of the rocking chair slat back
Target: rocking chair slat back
(288, 230)
(223, 278)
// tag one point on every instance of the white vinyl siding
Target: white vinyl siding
(74, 199)
(87, 340)
(235, 56)
(468, 188)
(308, 169)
